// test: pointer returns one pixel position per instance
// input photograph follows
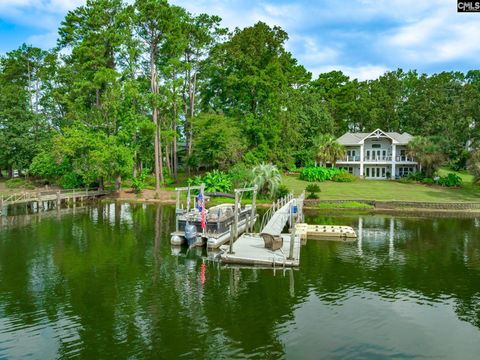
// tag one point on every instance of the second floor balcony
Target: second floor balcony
(378, 158)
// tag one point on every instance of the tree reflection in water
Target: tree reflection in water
(102, 282)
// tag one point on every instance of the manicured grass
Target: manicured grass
(387, 190)
(465, 176)
(343, 205)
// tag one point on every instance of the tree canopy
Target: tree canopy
(148, 85)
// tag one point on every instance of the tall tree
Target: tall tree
(249, 76)
(23, 128)
(153, 21)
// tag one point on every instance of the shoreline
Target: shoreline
(372, 206)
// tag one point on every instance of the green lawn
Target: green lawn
(388, 190)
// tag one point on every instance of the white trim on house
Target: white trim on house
(377, 155)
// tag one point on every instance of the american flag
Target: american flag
(201, 205)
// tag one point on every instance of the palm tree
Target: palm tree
(428, 153)
(327, 149)
(267, 178)
(473, 166)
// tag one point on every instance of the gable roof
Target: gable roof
(358, 138)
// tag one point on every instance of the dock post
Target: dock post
(254, 204)
(292, 237)
(58, 198)
(177, 207)
(235, 214)
(230, 251)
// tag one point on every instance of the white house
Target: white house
(377, 155)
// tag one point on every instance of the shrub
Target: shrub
(451, 180)
(138, 182)
(71, 180)
(428, 181)
(240, 175)
(344, 177)
(215, 181)
(319, 173)
(416, 176)
(19, 183)
(312, 190)
(267, 178)
(282, 191)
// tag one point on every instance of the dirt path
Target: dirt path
(164, 196)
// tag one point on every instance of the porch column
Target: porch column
(394, 155)
(361, 160)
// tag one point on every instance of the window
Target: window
(383, 172)
(368, 154)
(378, 172)
(368, 172)
(376, 146)
(348, 153)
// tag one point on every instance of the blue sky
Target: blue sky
(363, 38)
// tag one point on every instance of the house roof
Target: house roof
(358, 138)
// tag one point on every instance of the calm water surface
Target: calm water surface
(102, 283)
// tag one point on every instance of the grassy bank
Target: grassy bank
(389, 190)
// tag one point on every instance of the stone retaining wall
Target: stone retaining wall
(403, 204)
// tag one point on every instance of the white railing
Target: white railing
(405, 159)
(48, 195)
(350, 158)
(275, 206)
(378, 158)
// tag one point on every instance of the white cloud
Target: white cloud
(44, 14)
(360, 72)
(445, 36)
(310, 52)
(46, 40)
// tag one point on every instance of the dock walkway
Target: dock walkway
(249, 249)
(40, 197)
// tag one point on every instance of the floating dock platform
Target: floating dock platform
(325, 232)
(270, 247)
(250, 249)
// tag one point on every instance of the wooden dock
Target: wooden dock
(251, 249)
(41, 197)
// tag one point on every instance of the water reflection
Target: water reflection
(103, 281)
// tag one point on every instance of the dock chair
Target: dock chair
(272, 242)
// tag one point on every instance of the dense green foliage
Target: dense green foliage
(319, 173)
(344, 177)
(267, 178)
(145, 84)
(474, 166)
(327, 149)
(450, 180)
(215, 181)
(429, 153)
(312, 190)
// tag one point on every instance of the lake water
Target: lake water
(101, 282)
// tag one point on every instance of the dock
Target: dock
(283, 249)
(326, 232)
(41, 197)
(250, 249)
